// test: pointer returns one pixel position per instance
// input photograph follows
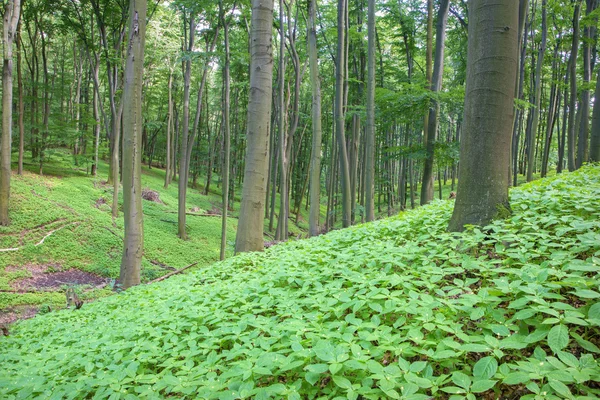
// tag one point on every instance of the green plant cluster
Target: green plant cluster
(396, 309)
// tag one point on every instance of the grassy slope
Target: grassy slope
(397, 307)
(91, 242)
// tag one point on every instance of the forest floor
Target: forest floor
(62, 234)
(397, 308)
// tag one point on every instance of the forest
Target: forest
(341, 199)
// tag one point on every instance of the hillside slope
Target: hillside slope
(71, 212)
(394, 309)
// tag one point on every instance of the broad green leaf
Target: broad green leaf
(485, 368)
(482, 385)
(558, 337)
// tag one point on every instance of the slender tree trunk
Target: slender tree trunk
(97, 127)
(169, 131)
(434, 109)
(133, 242)
(370, 132)
(489, 107)
(226, 135)
(283, 189)
(183, 167)
(250, 225)
(537, 95)
(340, 78)
(315, 160)
(595, 142)
(573, 85)
(21, 100)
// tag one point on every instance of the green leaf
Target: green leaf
(561, 389)
(342, 382)
(485, 368)
(462, 380)
(587, 294)
(594, 311)
(516, 378)
(558, 337)
(482, 385)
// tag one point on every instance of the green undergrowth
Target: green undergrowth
(398, 308)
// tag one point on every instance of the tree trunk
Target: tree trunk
(169, 131)
(283, 188)
(537, 91)
(340, 122)
(595, 142)
(11, 20)
(434, 108)
(250, 225)
(133, 242)
(370, 127)
(315, 160)
(21, 100)
(185, 123)
(489, 107)
(226, 135)
(573, 85)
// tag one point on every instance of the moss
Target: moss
(503, 211)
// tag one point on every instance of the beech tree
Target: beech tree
(482, 192)
(133, 242)
(250, 226)
(11, 14)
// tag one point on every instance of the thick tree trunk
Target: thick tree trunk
(97, 128)
(492, 61)
(250, 225)
(434, 108)
(133, 242)
(11, 20)
(315, 160)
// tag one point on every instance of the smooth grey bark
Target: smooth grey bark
(21, 99)
(340, 78)
(133, 241)
(169, 130)
(185, 124)
(315, 160)
(251, 225)
(489, 107)
(434, 106)
(226, 135)
(573, 87)
(97, 128)
(281, 233)
(584, 126)
(370, 127)
(537, 97)
(11, 16)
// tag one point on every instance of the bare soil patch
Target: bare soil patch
(13, 314)
(49, 277)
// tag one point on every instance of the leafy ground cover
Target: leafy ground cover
(74, 209)
(394, 309)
